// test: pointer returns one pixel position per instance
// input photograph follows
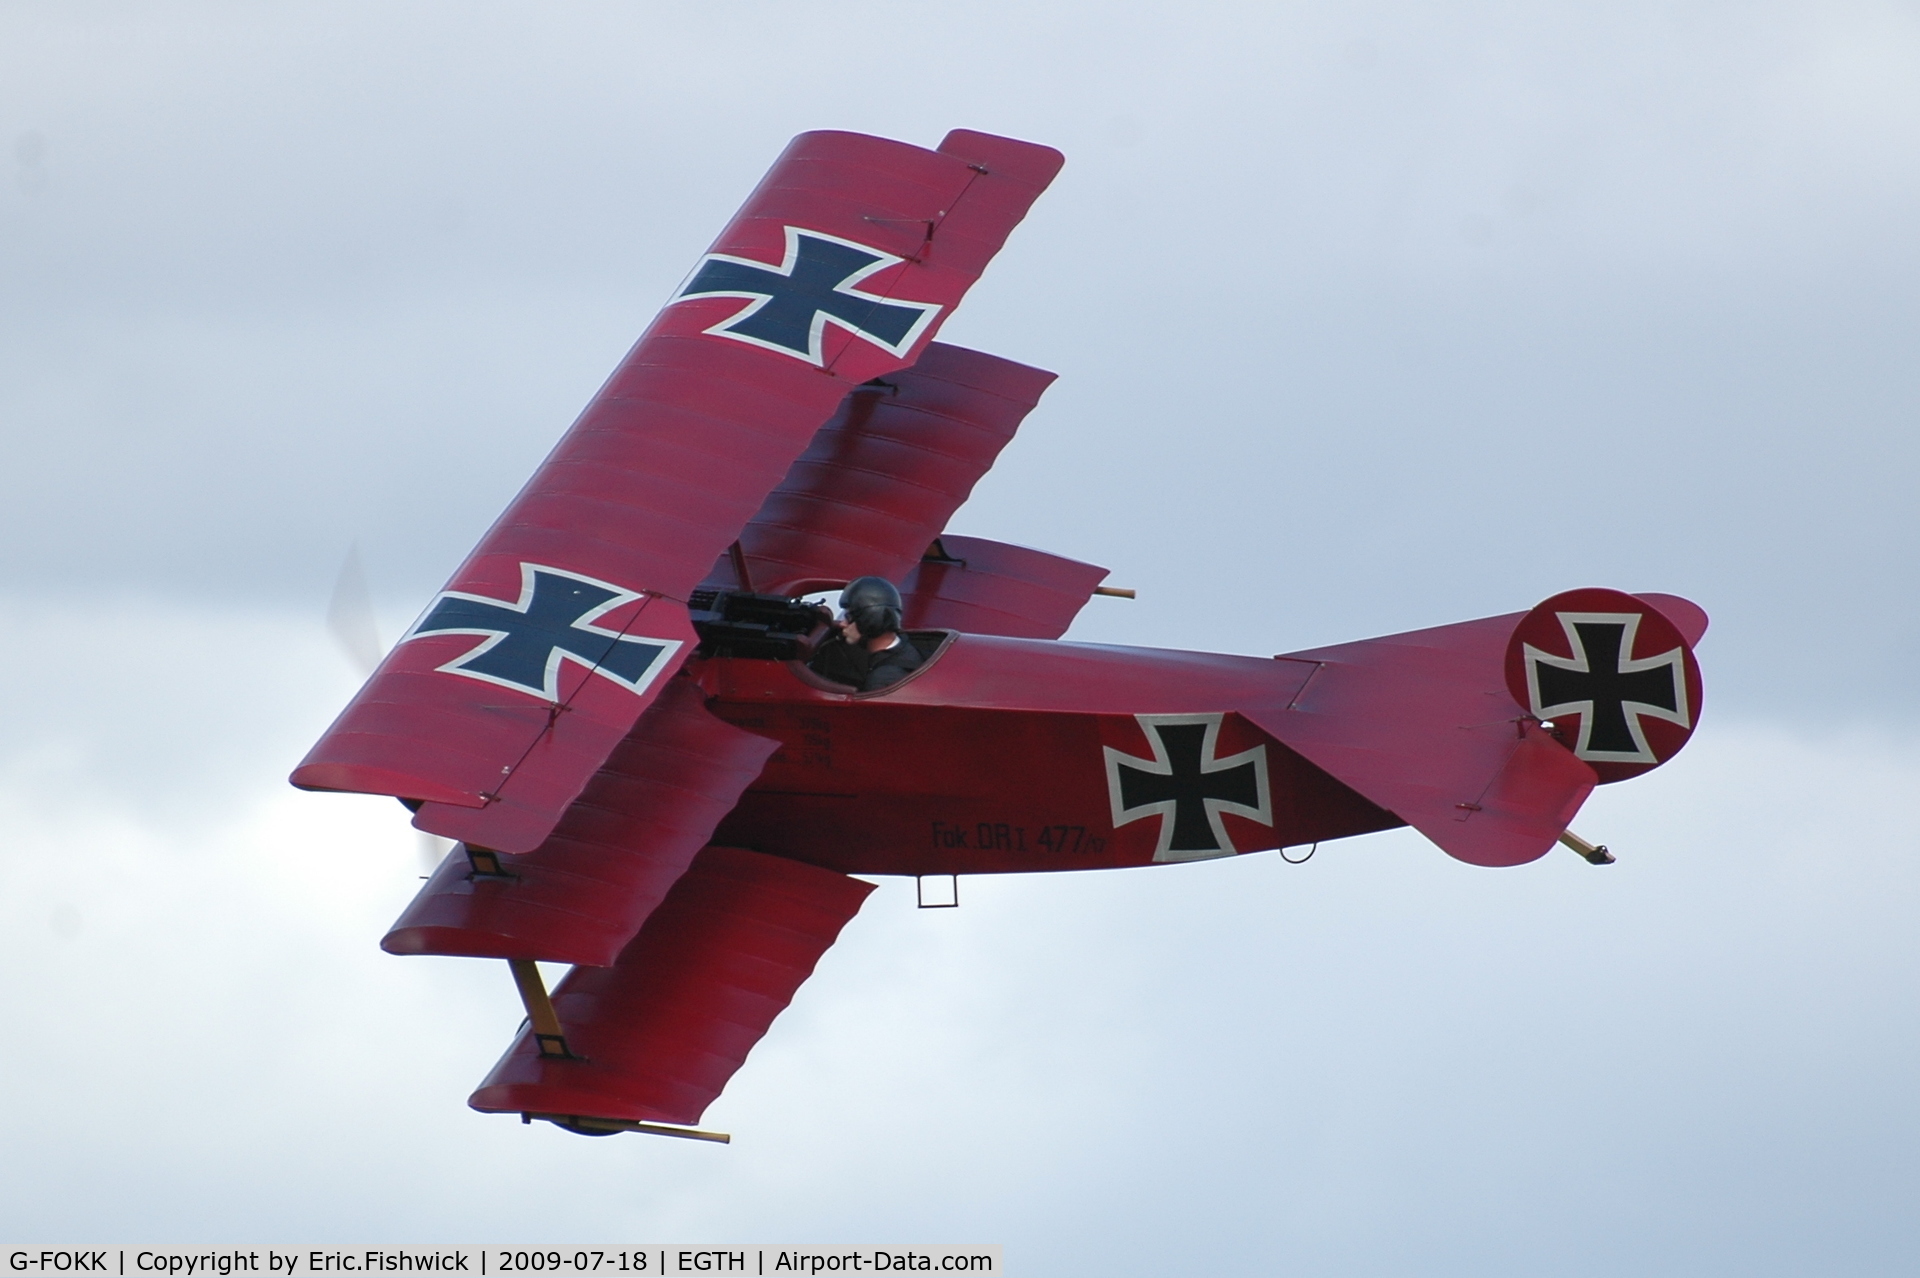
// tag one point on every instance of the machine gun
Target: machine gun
(738, 623)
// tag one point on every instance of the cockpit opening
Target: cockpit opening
(862, 649)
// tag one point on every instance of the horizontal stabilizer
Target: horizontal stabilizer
(1487, 736)
(656, 1036)
(1422, 724)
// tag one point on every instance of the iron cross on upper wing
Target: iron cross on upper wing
(527, 640)
(1188, 786)
(815, 283)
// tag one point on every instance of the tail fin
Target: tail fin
(1487, 736)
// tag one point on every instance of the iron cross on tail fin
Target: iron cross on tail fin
(1610, 676)
(558, 631)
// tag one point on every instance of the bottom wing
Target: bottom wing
(656, 1036)
(582, 894)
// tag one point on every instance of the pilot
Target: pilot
(866, 650)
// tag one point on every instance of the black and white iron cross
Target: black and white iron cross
(1187, 786)
(816, 283)
(552, 622)
(1606, 687)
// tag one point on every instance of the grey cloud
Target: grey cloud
(1380, 1061)
(1368, 317)
(1520, 298)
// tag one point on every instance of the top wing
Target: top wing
(552, 637)
(882, 478)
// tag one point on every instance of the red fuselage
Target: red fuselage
(993, 758)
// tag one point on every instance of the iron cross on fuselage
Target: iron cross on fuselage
(1188, 786)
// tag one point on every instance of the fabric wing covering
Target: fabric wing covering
(990, 588)
(580, 896)
(1423, 725)
(882, 478)
(658, 476)
(660, 1032)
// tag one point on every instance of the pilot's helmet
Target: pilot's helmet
(872, 605)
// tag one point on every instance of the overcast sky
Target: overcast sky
(1367, 317)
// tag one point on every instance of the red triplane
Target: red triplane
(605, 709)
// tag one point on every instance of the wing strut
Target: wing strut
(656, 1036)
(551, 1042)
(547, 1034)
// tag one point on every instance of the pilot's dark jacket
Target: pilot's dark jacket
(852, 664)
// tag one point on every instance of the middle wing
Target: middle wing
(878, 484)
(881, 479)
